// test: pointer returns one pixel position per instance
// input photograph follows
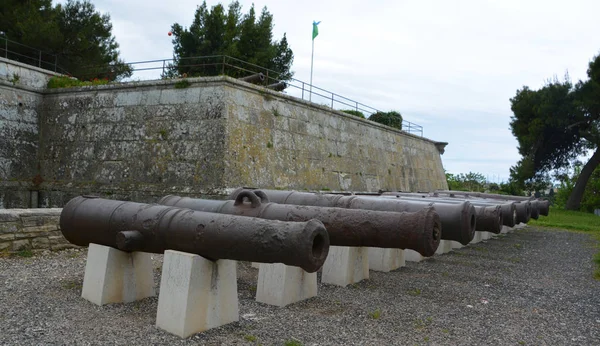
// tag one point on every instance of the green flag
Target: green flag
(315, 29)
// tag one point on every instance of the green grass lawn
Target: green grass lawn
(570, 220)
(573, 221)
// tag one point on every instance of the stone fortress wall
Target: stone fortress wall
(142, 140)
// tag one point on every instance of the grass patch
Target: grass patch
(574, 221)
(375, 314)
(182, 84)
(292, 343)
(250, 338)
(68, 82)
(25, 253)
(569, 220)
(415, 292)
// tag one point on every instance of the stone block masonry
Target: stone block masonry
(140, 141)
(31, 229)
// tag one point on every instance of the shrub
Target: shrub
(392, 119)
(353, 112)
(69, 82)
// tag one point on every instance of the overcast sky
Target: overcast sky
(450, 66)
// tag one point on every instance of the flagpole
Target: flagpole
(312, 56)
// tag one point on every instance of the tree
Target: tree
(567, 181)
(219, 32)
(80, 37)
(392, 119)
(555, 125)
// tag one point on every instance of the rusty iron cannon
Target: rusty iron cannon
(488, 218)
(419, 231)
(507, 208)
(523, 207)
(458, 221)
(543, 205)
(130, 226)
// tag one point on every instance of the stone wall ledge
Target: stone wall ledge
(31, 230)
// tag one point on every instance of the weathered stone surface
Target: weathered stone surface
(20, 235)
(142, 140)
(9, 227)
(43, 228)
(59, 247)
(6, 237)
(18, 245)
(40, 243)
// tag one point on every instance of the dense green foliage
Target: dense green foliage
(591, 196)
(392, 119)
(68, 82)
(354, 112)
(80, 37)
(227, 32)
(477, 182)
(554, 125)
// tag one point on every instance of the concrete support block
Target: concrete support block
(280, 285)
(456, 245)
(519, 226)
(413, 256)
(444, 247)
(345, 265)
(196, 294)
(476, 238)
(385, 260)
(115, 276)
(505, 229)
(256, 265)
(485, 235)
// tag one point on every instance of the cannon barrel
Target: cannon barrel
(419, 231)
(507, 208)
(254, 78)
(488, 218)
(536, 207)
(458, 221)
(279, 86)
(131, 226)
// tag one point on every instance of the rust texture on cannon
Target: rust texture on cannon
(538, 206)
(523, 207)
(488, 218)
(458, 221)
(254, 78)
(507, 208)
(419, 231)
(130, 226)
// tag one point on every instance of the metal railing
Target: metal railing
(25, 54)
(229, 66)
(204, 66)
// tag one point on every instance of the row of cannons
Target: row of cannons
(289, 235)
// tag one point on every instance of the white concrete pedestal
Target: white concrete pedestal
(115, 276)
(413, 256)
(476, 238)
(196, 294)
(280, 285)
(255, 265)
(456, 245)
(345, 265)
(385, 260)
(485, 235)
(444, 247)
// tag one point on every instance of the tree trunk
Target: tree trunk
(574, 201)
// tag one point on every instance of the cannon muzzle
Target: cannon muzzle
(131, 226)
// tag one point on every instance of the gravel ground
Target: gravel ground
(530, 287)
